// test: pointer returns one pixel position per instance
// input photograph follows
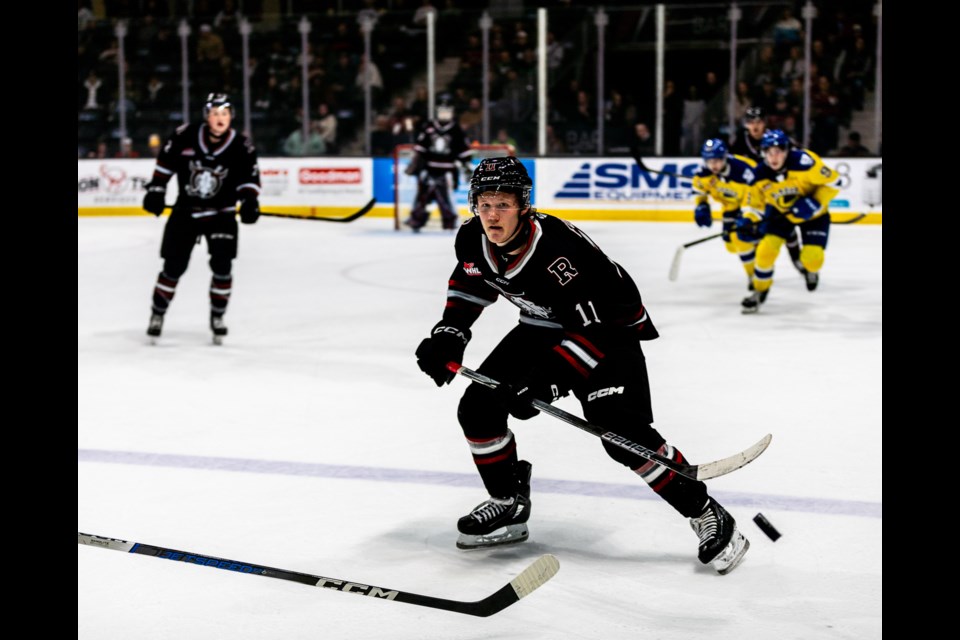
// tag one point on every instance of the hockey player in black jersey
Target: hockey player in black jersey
(215, 167)
(441, 146)
(581, 325)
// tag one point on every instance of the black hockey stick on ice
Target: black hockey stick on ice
(350, 218)
(535, 575)
(704, 471)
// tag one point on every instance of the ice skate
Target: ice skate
(498, 521)
(218, 327)
(813, 279)
(155, 327)
(721, 543)
(751, 304)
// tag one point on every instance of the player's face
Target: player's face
(756, 128)
(774, 157)
(499, 214)
(715, 165)
(219, 120)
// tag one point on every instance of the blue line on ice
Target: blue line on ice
(442, 478)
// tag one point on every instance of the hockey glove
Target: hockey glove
(805, 208)
(749, 230)
(702, 216)
(445, 344)
(155, 199)
(249, 210)
(516, 399)
(546, 383)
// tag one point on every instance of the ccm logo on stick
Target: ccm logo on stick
(601, 393)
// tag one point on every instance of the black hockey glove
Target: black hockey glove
(445, 344)
(702, 215)
(516, 398)
(249, 210)
(750, 230)
(155, 199)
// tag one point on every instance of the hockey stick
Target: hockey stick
(856, 218)
(643, 167)
(675, 264)
(535, 575)
(350, 218)
(693, 471)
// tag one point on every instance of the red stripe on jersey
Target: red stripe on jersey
(583, 342)
(573, 363)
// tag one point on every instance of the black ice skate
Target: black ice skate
(155, 327)
(799, 267)
(813, 279)
(751, 304)
(218, 327)
(721, 543)
(499, 521)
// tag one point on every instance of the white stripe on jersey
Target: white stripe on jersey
(578, 351)
(483, 302)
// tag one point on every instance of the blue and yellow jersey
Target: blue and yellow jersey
(803, 175)
(730, 187)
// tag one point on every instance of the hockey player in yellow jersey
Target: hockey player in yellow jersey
(727, 179)
(793, 188)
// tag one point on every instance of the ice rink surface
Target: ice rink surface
(310, 441)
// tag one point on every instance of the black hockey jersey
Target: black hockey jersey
(746, 146)
(210, 178)
(560, 279)
(440, 146)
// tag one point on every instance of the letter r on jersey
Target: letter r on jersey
(564, 271)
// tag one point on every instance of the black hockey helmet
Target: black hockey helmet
(444, 110)
(505, 174)
(753, 113)
(217, 101)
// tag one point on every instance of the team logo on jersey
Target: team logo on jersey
(563, 270)
(205, 182)
(471, 269)
(441, 145)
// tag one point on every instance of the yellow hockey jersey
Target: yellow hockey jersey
(803, 175)
(730, 187)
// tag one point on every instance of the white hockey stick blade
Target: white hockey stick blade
(716, 468)
(675, 265)
(534, 576)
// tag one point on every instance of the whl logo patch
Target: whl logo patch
(471, 269)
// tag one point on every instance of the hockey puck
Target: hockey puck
(766, 527)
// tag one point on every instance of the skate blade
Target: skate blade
(732, 555)
(218, 340)
(511, 534)
(154, 340)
